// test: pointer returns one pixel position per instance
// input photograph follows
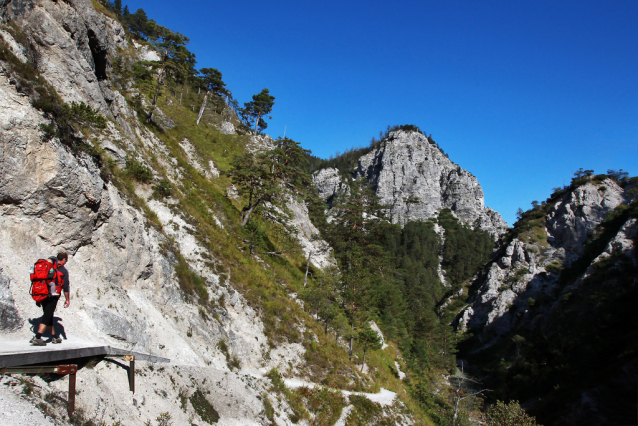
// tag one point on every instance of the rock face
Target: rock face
(528, 270)
(71, 42)
(562, 284)
(328, 184)
(317, 250)
(10, 319)
(573, 219)
(124, 288)
(417, 180)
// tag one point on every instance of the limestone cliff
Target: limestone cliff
(527, 268)
(124, 288)
(416, 180)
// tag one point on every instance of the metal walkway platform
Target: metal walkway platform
(20, 357)
(19, 353)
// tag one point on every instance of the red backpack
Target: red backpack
(43, 275)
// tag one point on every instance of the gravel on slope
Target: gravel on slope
(15, 409)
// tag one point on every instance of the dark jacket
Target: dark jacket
(65, 286)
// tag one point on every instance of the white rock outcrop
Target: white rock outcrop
(417, 180)
(522, 271)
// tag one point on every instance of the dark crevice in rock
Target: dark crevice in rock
(95, 207)
(99, 56)
(8, 200)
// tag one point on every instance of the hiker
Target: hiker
(51, 302)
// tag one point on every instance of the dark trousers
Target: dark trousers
(48, 307)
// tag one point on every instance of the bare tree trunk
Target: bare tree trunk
(305, 278)
(351, 339)
(456, 411)
(257, 122)
(249, 211)
(160, 81)
(180, 96)
(201, 110)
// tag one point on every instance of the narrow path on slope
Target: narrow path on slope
(383, 397)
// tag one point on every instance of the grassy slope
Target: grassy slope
(267, 285)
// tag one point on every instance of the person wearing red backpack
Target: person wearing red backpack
(50, 303)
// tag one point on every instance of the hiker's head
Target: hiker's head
(62, 258)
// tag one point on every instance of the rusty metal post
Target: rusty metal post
(131, 372)
(70, 370)
(71, 401)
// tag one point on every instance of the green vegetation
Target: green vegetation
(203, 407)
(293, 398)
(136, 170)
(501, 414)
(68, 120)
(368, 339)
(426, 341)
(255, 110)
(325, 405)
(190, 282)
(465, 250)
(231, 360)
(266, 178)
(163, 188)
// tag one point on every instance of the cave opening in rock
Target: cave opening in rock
(99, 57)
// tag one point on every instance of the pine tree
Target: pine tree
(211, 79)
(368, 340)
(176, 61)
(117, 7)
(269, 177)
(255, 110)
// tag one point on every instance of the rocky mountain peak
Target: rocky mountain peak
(413, 176)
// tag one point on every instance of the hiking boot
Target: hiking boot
(37, 342)
(56, 340)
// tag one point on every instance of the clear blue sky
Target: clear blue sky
(520, 93)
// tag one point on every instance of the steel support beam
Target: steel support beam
(131, 372)
(62, 370)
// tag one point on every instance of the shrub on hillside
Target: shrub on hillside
(163, 188)
(137, 170)
(510, 414)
